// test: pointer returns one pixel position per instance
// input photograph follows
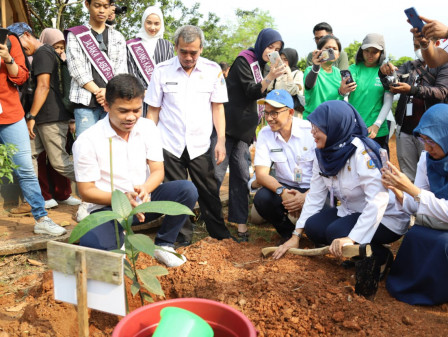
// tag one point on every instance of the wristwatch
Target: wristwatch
(299, 235)
(279, 190)
(29, 116)
(10, 62)
(418, 197)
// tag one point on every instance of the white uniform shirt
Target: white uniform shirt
(429, 204)
(92, 160)
(298, 152)
(358, 187)
(185, 117)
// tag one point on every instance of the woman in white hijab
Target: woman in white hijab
(148, 48)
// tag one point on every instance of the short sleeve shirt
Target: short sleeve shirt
(45, 61)
(92, 159)
(296, 153)
(185, 118)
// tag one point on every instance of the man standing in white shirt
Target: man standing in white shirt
(287, 146)
(136, 147)
(185, 98)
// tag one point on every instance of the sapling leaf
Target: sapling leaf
(142, 243)
(147, 297)
(129, 272)
(135, 287)
(150, 282)
(90, 222)
(162, 207)
(121, 204)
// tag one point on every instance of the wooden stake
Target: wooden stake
(81, 292)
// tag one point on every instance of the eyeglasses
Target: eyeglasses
(273, 114)
(101, 43)
(428, 141)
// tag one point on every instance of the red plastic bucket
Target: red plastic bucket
(224, 320)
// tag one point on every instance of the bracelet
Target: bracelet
(268, 81)
(314, 71)
(299, 235)
(341, 94)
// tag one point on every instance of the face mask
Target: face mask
(418, 54)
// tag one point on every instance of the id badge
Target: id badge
(298, 175)
(409, 109)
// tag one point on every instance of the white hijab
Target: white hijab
(149, 41)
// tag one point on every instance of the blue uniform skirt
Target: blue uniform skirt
(419, 274)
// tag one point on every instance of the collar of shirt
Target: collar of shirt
(198, 67)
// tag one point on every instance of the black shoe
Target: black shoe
(367, 277)
(243, 236)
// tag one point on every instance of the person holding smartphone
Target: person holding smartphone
(367, 94)
(322, 79)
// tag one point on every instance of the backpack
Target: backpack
(26, 90)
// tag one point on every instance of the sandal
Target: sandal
(243, 236)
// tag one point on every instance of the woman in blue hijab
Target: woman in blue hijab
(419, 274)
(247, 82)
(347, 167)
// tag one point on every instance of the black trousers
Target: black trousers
(202, 175)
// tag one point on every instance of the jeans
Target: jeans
(18, 135)
(86, 117)
(182, 191)
(325, 226)
(237, 158)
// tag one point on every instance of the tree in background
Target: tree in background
(351, 51)
(400, 61)
(67, 13)
(302, 64)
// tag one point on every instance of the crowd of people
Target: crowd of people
(172, 123)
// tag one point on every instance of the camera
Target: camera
(120, 9)
(392, 80)
(327, 55)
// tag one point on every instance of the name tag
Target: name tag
(171, 83)
(409, 109)
(276, 150)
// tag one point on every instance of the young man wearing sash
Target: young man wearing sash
(95, 54)
(185, 98)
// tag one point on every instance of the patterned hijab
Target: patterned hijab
(433, 125)
(341, 123)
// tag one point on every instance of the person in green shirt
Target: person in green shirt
(367, 94)
(322, 85)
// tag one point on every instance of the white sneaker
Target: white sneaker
(50, 203)
(46, 226)
(82, 211)
(72, 201)
(167, 258)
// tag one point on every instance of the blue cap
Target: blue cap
(278, 99)
(20, 28)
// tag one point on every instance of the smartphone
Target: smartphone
(327, 55)
(384, 157)
(346, 74)
(415, 21)
(3, 34)
(273, 57)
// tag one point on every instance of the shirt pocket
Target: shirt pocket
(280, 165)
(171, 92)
(306, 160)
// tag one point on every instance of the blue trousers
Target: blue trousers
(17, 134)
(325, 226)
(86, 117)
(269, 206)
(182, 191)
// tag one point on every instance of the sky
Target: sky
(351, 19)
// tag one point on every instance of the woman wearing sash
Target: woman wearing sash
(245, 84)
(149, 48)
(419, 274)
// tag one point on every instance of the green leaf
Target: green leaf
(142, 243)
(150, 282)
(121, 204)
(147, 297)
(157, 270)
(162, 207)
(90, 222)
(129, 272)
(135, 287)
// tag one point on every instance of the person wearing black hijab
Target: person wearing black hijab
(245, 85)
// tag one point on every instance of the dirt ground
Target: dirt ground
(295, 296)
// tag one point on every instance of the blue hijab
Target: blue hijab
(341, 123)
(433, 124)
(265, 38)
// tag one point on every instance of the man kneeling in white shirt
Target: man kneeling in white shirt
(285, 147)
(136, 147)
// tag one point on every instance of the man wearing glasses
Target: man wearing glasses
(283, 163)
(320, 30)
